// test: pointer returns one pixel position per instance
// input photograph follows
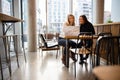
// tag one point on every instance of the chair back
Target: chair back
(103, 43)
(87, 42)
(105, 34)
(43, 40)
(109, 46)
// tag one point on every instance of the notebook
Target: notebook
(71, 30)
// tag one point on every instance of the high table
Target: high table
(4, 19)
(8, 19)
(75, 37)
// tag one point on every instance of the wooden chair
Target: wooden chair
(109, 46)
(46, 47)
(1, 68)
(105, 34)
(107, 72)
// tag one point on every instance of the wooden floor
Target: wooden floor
(47, 67)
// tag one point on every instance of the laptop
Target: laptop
(71, 30)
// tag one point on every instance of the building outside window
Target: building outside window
(81, 7)
(107, 11)
(7, 7)
(57, 11)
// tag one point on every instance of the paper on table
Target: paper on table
(71, 30)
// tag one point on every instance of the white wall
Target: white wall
(115, 12)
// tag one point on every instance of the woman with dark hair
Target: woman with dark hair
(85, 26)
(62, 41)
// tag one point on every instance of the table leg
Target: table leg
(67, 54)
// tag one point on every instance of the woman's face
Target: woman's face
(71, 19)
(81, 20)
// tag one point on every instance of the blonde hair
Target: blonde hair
(70, 15)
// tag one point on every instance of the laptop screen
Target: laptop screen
(71, 30)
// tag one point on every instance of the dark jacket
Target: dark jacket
(87, 27)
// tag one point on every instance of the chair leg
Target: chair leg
(57, 54)
(16, 49)
(24, 54)
(9, 59)
(9, 66)
(41, 52)
(1, 68)
(75, 68)
(92, 60)
(119, 56)
(24, 51)
(7, 55)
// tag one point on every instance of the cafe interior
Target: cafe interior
(38, 41)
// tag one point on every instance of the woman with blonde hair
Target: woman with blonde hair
(70, 20)
(62, 41)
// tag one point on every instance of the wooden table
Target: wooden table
(107, 72)
(75, 37)
(8, 19)
(4, 19)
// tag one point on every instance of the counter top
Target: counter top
(107, 24)
(7, 18)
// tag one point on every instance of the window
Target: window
(57, 11)
(85, 4)
(7, 7)
(81, 7)
(59, 8)
(107, 11)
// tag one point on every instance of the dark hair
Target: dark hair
(73, 17)
(84, 18)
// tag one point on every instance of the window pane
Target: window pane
(7, 7)
(107, 11)
(56, 15)
(82, 7)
